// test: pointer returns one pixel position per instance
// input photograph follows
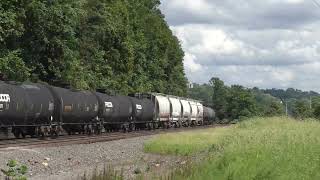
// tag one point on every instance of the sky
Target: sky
(254, 43)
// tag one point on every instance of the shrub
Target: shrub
(15, 170)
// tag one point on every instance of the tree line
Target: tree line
(236, 102)
(299, 104)
(124, 45)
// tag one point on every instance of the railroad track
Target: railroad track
(29, 143)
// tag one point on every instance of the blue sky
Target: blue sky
(266, 44)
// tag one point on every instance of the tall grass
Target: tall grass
(108, 173)
(185, 143)
(260, 148)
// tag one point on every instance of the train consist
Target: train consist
(39, 110)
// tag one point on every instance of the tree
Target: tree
(202, 92)
(126, 46)
(14, 67)
(241, 103)
(301, 109)
(219, 97)
(316, 112)
(267, 105)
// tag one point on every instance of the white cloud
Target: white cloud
(253, 43)
(190, 64)
(294, 1)
(197, 6)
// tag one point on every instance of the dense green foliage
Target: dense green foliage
(201, 92)
(120, 45)
(234, 102)
(259, 148)
(267, 105)
(219, 97)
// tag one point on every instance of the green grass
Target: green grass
(185, 143)
(260, 148)
(108, 173)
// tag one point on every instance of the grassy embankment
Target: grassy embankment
(260, 148)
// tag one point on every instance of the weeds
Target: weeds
(259, 148)
(108, 173)
(15, 171)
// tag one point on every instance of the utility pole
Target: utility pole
(310, 100)
(283, 100)
(287, 113)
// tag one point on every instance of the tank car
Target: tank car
(162, 110)
(76, 111)
(26, 108)
(186, 112)
(200, 114)
(143, 113)
(175, 111)
(194, 112)
(208, 115)
(116, 112)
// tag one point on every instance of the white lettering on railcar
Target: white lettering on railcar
(51, 106)
(4, 98)
(108, 104)
(138, 106)
(1, 106)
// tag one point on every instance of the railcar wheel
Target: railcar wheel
(125, 128)
(16, 133)
(54, 132)
(23, 134)
(133, 127)
(156, 125)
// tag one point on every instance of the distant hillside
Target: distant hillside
(290, 93)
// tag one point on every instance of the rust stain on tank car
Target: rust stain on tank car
(67, 108)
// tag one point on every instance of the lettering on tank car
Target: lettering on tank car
(108, 104)
(5, 98)
(27, 86)
(138, 107)
(51, 106)
(96, 107)
(67, 108)
(164, 114)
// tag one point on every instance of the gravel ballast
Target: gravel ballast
(71, 162)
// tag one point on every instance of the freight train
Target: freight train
(41, 110)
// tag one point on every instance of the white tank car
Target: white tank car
(162, 105)
(200, 113)
(194, 110)
(175, 109)
(186, 110)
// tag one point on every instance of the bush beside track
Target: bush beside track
(259, 148)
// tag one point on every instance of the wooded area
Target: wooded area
(124, 46)
(235, 101)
